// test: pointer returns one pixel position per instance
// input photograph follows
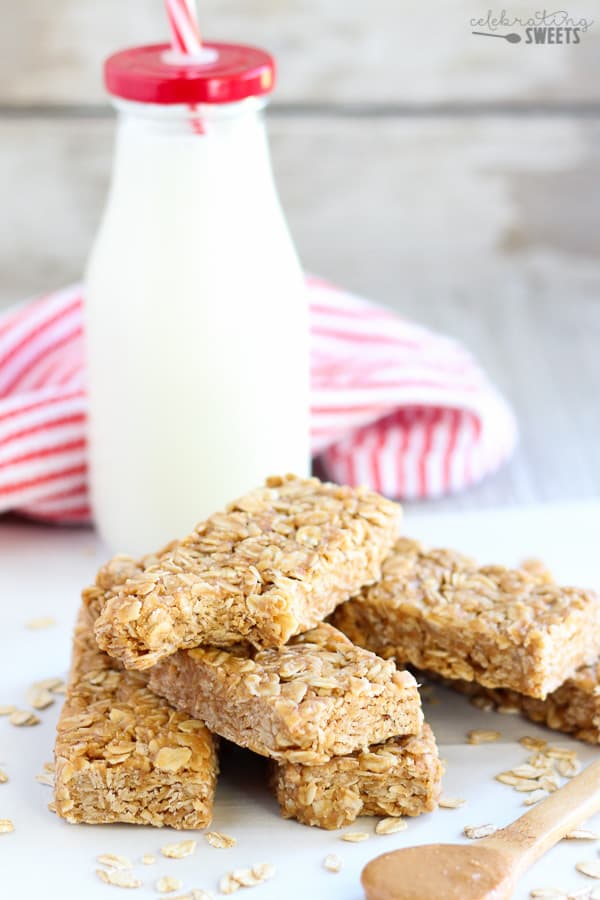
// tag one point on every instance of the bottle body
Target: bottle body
(196, 327)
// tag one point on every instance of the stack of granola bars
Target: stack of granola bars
(510, 638)
(223, 633)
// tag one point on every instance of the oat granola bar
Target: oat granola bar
(273, 564)
(401, 777)
(124, 755)
(317, 697)
(438, 610)
(573, 708)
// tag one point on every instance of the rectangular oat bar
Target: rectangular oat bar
(275, 563)
(508, 628)
(124, 755)
(317, 697)
(573, 708)
(401, 777)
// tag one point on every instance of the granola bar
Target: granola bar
(573, 708)
(273, 564)
(317, 697)
(122, 754)
(438, 610)
(401, 777)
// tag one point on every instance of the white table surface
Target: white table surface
(41, 573)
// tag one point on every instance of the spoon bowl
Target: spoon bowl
(451, 871)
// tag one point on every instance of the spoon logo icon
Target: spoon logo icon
(512, 37)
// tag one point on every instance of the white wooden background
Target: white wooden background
(453, 177)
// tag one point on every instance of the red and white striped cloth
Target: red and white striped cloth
(394, 406)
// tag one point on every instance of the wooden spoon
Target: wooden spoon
(489, 868)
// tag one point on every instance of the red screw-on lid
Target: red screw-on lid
(153, 74)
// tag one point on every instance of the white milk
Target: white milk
(196, 324)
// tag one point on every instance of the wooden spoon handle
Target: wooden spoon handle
(546, 823)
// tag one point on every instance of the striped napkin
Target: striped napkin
(394, 406)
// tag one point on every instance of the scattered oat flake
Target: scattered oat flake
(251, 877)
(228, 884)
(582, 834)
(535, 797)
(451, 802)
(114, 861)
(560, 753)
(23, 717)
(45, 778)
(178, 850)
(475, 832)
(533, 743)
(527, 770)
(591, 868)
(167, 884)
(6, 826)
(524, 785)
(199, 894)
(220, 840)
(148, 859)
(508, 709)
(568, 767)
(355, 837)
(50, 684)
(40, 698)
(390, 825)
(333, 863)
(118, 878)
(255, 875)
(482, 736)
(49, 767)
(3, 777)
(40, 622)
(264, 871)
(482, 703)
(7, 709)
(546, 892)
(507, 778)
(549, 783)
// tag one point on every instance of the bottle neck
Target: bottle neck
(201, 120)
(172, 155)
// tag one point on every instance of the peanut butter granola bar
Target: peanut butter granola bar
(317, 697)
(438, 610)
(401, 777)
(273, 564)
(122, 754)
(573, 708)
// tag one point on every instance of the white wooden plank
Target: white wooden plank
(329, 51)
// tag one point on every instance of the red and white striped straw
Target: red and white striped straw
(185, 32)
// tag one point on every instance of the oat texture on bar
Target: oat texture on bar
(438, 610)
(317, 697)
(400, 777)
(275, 563)
(124, 755)
(573, 708)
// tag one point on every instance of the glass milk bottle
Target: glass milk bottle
(196, 310)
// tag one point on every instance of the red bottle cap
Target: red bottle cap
(156, 74)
